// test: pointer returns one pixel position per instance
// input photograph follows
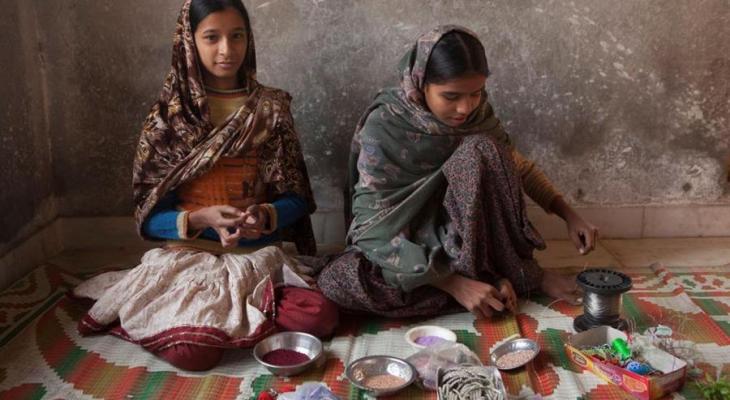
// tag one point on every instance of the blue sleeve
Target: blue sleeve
(289, 208)
(162, 221)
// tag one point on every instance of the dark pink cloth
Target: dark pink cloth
(191, 357)
(305, 310)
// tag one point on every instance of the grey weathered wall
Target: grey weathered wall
(106, 63)
(26, 195)
(621, 102)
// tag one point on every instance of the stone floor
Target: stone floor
(675, 252)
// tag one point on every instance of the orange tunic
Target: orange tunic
(231, 181)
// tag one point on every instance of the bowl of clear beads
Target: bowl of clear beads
(465, 382)
(514, 353)
(380, 375)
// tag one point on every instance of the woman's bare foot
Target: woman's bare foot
(562, 287)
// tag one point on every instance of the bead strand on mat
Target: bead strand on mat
(469, 383)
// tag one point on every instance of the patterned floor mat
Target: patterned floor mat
(43, 357)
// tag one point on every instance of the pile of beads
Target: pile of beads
(430, 340)
(471, 383)
(285, 357)
(515, 359)
(384, 381)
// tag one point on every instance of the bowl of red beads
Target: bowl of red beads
(288, 353)
(424, 336)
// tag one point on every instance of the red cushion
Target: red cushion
(192, 357)
(306, 310)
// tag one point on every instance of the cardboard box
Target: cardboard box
(640, 386)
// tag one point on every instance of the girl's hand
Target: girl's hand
(254, 220)
(582, 233)
(482, 299)
(509, 297)
(225, 220)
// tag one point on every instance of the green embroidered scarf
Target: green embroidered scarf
(395, 178)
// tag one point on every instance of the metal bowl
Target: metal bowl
(361, 369)
(512, 346)
(298, 341)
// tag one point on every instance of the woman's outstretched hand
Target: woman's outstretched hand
(481, 299)
(225, 220)
(581, 232)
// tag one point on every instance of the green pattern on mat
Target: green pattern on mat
(39, 392)
(27, 391)
(69, 363)
(29, 317)
(373, 326)
(261, 384)
(155, 381)
(466, 338)
(635, 317)
(688, 282)
(710, 306)
(725, 325)
(555, 340)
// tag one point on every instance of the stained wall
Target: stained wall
(621, 103)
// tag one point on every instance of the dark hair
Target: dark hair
(455, 55)
(199, 9)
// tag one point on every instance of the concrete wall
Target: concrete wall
(106, 60)
(622, 103)
(26, 195)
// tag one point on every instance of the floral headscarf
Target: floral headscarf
(179, 143)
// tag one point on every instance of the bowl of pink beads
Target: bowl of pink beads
(381, 375)
(424, 336)
(514, 353)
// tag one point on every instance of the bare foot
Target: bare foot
(562, 287)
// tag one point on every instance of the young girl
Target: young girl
(438, 212)
(219, 175)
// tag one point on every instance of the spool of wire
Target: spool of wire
(602, 290)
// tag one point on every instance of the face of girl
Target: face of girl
(222, 41)
(452, 101)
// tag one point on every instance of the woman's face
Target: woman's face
(221, 39)
(452, 101)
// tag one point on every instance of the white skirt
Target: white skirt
(181, 295)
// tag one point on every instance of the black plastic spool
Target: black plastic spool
(603, 282)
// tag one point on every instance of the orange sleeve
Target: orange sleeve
(534, 182)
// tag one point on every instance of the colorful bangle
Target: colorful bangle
(273, 218)
(183, 226)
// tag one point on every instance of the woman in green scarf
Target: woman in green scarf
(438, 216)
